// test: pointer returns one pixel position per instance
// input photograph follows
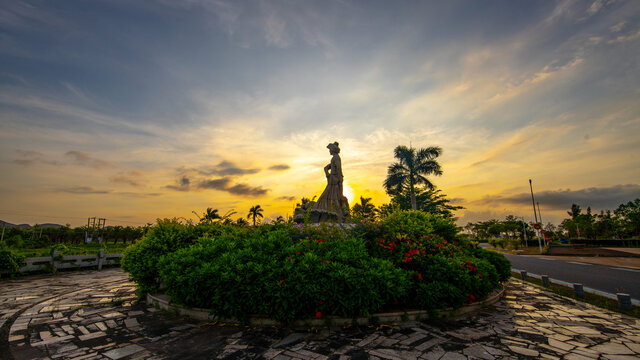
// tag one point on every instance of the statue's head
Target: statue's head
(333, 148)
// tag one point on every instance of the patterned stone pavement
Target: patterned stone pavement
(96, 315)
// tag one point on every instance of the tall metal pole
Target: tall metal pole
(533, 201)
(524, 229)
(539, 213)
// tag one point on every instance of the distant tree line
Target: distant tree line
(37, 236)
(622, 223)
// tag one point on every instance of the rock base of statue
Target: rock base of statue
(317, 215)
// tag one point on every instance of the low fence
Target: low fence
(57, 262)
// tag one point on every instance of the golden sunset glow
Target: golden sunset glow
(229, 105)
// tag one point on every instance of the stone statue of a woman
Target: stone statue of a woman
(332, 204)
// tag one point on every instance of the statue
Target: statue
(332, 205)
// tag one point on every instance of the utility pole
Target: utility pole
(533, 201)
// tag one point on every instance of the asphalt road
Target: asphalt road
(604, 278)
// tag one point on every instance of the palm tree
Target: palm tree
(208, 216)
(365, 208)
(411, 169)
(254, 212)
(226, 218)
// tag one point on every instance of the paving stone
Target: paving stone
(92, 335)
(289, 340)
(479, 352)
(453, 356)
(131, 323)
(523, 351)
(119, 353)
(52, 340)
(434, 354)
(560, 344)
(531, 322)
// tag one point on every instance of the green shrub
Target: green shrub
(415, 224)
(10, 262)
(140, 260)
(272, 275)
(515, 243)
(287, 272)
(14, 241)
(499, 261)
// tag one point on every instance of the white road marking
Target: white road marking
(625, 269)
(578, 263)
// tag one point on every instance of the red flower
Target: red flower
(479, 275)
(281, 281)
(419, 276)
(297, 252)
(318, 314)
(324, 261)
(320, 302)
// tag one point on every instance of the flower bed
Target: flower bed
(286, 273)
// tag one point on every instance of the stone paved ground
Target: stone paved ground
(96, 315)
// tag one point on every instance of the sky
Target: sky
(137, 110)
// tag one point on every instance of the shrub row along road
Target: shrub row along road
(600, 277)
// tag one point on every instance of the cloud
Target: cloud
(224, 168)
(217, 184)
(83, 190)
(183, 184)
(286, 198)
(617, 27)
(597, 197)
(137, 195)
(279, 167)
(222, 184)
(29, 157)
(625, 38)
(247, 190)
(126, 177)
(595, 7)
(84, 159)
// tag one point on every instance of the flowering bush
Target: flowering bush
(282, 279)
(409, 260)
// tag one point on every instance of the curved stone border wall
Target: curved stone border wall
(163, 301)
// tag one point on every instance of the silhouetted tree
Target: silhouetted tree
(364, 209)
(409, 172)
(255, 212)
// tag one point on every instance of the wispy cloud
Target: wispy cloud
(131, 177)
(83, 190)
(84, 159)
(30, 157)
(279, 167)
